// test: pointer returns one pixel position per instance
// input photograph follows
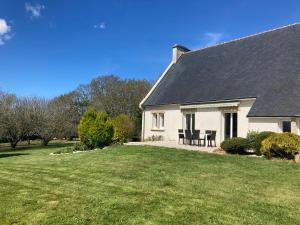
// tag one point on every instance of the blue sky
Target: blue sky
(50, 47)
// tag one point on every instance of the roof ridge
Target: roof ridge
(242, 38)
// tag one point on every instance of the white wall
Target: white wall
(173, 122)
(265, 124)
(243, 120)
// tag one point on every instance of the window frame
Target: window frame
(158, 120)
(231, 124)
(190, 121)
(161, 117)
(154, 120)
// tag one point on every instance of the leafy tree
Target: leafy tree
(116, 96)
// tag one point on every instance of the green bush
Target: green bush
(284, 145)
(79, 146)
(86, 122)
(95, 129)
(236, 145)
(255, 138)
(123, 128)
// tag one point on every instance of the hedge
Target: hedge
(236, 145)
(283, 145)
(255, 139)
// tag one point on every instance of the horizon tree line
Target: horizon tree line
(28, 118)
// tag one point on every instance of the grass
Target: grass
(145, 185)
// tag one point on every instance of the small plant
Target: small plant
(284, 145)
(255, 139)
(155, 138)
(236, 145)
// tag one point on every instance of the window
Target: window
(161, 120)
(154, 120)
(158, 120)
(193, 121)
(230, 125)
(190, 121)
(286, 126)
(227, 126)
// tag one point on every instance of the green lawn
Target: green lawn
(145, 185)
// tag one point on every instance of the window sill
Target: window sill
(157, 129)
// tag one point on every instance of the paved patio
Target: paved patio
(173, 144)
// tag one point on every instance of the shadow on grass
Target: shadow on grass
(12, 155)
(37, 146)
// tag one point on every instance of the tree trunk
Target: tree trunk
(13, 144)
(45, 142)
(28, 141)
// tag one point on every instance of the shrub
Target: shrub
(284, 145)
(79, 146)
(85, 124)
(236, 145)
(255, 138)
(123, 128)
(64, 151)
(95, 129)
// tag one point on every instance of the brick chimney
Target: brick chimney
(178, 50)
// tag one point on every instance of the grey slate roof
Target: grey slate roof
(264, 66)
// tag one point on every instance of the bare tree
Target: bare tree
(15, 118)
(44, 125)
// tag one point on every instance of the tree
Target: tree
(116, 96)
(69, 108)
(45, 123)
(16, 118)
(8, 126)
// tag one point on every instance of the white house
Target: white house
(248, 84)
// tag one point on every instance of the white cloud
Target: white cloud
(101, 26)
(34, 10)
(213, 38)
(4, 31)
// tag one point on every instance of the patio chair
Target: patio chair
(196, 136)
(188, 136)
(180, 136)
(208, 134)
(208, 131)
(212, 138)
